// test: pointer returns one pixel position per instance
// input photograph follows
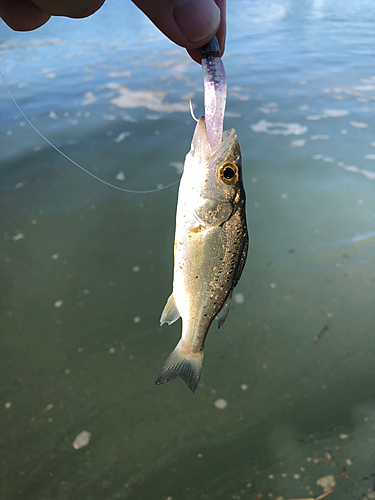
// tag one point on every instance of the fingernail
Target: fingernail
(197, 19)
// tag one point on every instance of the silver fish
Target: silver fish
(210, 249)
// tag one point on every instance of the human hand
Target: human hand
(28, 15)
(189, 23)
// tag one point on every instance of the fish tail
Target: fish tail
(184, 364)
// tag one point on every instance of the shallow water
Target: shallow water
(86, 270)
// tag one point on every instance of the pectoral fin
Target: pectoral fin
(223, 313)
(170, 312)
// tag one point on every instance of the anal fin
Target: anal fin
(170, 312)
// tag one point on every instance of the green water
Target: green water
(86, 270)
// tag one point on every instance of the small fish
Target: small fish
(210, 249)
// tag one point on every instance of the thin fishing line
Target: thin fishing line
(75, 163)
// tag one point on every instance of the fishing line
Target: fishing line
(72, 161)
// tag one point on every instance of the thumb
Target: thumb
(189, 23)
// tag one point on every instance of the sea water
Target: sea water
(286, 407)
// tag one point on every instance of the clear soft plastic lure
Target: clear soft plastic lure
(215, 91)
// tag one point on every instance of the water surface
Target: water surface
(86, 270)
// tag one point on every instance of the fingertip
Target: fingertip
(198, 21)
(24, 17)
(195, 54)
(85, 9)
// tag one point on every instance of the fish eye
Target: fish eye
(228, 172)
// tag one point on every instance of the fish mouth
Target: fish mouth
(227, 148)
(200, 146)
(228, 139)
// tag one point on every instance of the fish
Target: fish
(210, 249)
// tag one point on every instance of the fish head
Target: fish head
(214, 175)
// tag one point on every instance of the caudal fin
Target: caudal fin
(184, 365)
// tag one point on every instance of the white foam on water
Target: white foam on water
(122, 74)
(369, 157)
(329, 113)
(239, 96)
(278, 128)
(326, 482)
(358, 124)
(221, 404)
(122, 136)
(364, 88)
(152, 100)
(18, 236)
(319, 137)
(335, 113)
(298, 143)
(82, 439)
(352, 168)
(231, 114)
(270, 107)
(239, 298)
(370, 80)
(313, 117)
(120, 176)
(89, 98)
(178, 165)
(53, 115)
